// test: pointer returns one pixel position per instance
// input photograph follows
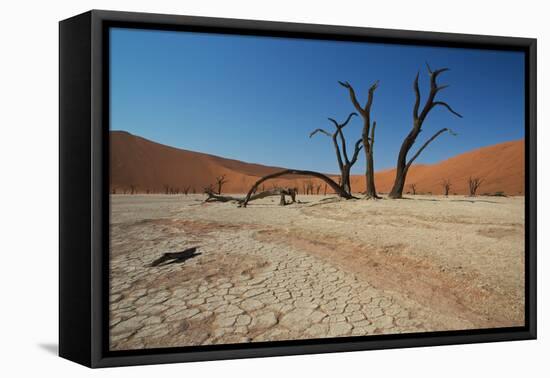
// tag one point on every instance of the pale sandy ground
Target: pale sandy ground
(320, 268)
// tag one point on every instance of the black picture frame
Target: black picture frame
(84, 179)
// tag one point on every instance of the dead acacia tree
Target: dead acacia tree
(413, 189)
(418, 120)
(446, 184)
(367, 134)
(339, 142)
(473, 185)
(308, 187)
(337, 188)
(220, 180)
(186, 190)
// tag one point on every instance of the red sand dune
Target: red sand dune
(149, 166)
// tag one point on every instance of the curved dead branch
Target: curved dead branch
(426, 145)
(342, 193)
(320, 131)
(441, 103)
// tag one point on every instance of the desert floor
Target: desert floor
(316, 269)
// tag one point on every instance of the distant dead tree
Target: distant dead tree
(325, 189)
(186, 190)
(220, 180)
(147, 191)
(339, 142)
(367, 134)
(132, 189)
(113, 191)
(193, 190)
(318, 188)
(446, 184)
(310, 187)
(209, 188)
(413, 189)
(418, 120)
(473, 184)
(166, 189)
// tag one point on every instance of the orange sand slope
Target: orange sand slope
(151, 167)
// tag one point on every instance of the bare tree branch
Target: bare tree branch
(353, 114)
(339, 131)
(417, 96)
(319, 131)
(358, 147)
(372, 133)
(352, 96)
(426, 145)
(441, 103)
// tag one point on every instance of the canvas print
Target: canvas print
(272, 189)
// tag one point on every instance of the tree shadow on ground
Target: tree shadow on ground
(473, 201)
(176, 257)
(449, 200)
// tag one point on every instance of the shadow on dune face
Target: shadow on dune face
(176, 257)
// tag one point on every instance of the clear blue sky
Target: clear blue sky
(256, 99)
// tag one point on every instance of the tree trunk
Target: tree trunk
(369, 174)
(367, 134)
(401, 167)
(346, 182)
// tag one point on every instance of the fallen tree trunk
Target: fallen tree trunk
(337, 189)
(213, 197)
